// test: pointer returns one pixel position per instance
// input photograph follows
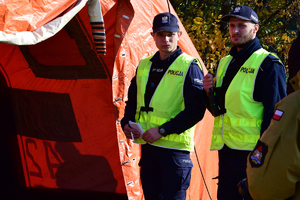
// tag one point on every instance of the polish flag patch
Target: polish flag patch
(277, 115)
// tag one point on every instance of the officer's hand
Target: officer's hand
(208, 82)
(128, 131)
(151, 135)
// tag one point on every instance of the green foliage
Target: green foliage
(278, 20)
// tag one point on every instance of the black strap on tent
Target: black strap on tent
(202, 175)
(168, 6)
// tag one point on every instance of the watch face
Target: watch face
(162, 130)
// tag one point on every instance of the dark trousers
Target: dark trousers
(232, 169)
(165, 173)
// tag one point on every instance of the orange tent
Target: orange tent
(66, 66)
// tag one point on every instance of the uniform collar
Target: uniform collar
(172, 57)
(247, 51)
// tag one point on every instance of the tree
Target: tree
(279, 23)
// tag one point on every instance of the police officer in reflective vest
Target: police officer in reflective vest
(165, 98)
(249, 82)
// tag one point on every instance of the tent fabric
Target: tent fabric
(67, 101)
(20, 27)
(25, 15)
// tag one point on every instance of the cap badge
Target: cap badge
(165, 19)
(237, 9)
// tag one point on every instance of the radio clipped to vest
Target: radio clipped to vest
(215, 107)
(213, 103)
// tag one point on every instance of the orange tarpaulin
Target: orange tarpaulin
(25, 15)
(67, 101)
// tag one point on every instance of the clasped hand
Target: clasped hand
(151, 135)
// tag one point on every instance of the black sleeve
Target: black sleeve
(193, 98)
(270, 87)
(131, 103)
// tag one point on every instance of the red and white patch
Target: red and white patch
(277, 115)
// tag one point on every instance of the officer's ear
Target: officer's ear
(255, 28)
(179, 33)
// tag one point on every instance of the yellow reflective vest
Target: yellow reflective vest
(239, 127)
(167, 101)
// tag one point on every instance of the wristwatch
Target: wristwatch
(162, 131)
